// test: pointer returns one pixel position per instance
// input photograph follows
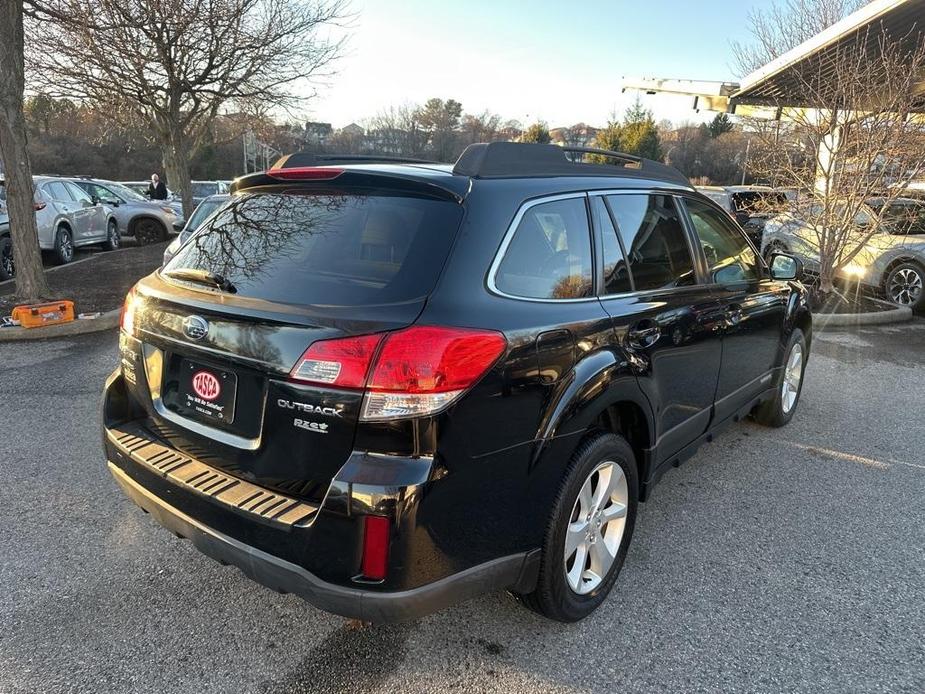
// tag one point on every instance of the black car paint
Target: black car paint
(472, 484)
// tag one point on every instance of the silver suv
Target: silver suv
(149, 221)
(66, 218)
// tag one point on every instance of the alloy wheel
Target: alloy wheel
(66, 247)
(595, 528)
(793, 374)
(114, 239)
(905, 286)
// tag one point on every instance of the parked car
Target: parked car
(149, 221)
(7, 265)
(67, 218)
(203, 211)
(751, 206)
(391, 387)
(891, 261)
(203, 189)
(174, 200)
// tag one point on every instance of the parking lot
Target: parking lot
(775, 560)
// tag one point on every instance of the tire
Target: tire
(7, 265)
(148, 231)
(905, 285)
(113, 239)
(64, 246)
(554, 595)
(779, 410)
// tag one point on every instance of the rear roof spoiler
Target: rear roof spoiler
(520, 159)
(446, 187)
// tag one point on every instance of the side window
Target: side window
(104, 194)
(656, 244)
(616, 271)
(728, 254)
(58, 192)
(549, 256)
(77, 192)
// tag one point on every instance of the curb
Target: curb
(107, 321)
(897, 314)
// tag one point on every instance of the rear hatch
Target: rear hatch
(227, 320)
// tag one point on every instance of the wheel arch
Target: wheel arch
(600, 394)
(899, 260)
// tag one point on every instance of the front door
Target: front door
(92, 215)
(668, 323)
(753, 307)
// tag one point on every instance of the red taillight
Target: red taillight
(127, 317)
(375, 547)
(342, 363)
(418, 370)
(305, 173)
(434, 360)
(38, 206)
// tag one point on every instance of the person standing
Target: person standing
(156, 189)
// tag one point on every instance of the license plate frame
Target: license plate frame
(207, 392)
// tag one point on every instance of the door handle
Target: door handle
(643, 334)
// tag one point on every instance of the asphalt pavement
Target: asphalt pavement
(775, 560)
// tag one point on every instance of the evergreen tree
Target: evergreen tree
(719, 125)
(538, 132)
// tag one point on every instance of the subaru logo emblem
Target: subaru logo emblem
(195, 328)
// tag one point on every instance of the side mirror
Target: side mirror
(95, 199)
(785, 267)
(113, 202)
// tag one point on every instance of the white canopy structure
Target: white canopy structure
(777, 85)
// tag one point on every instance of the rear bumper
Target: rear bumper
(287, 577)
(297, 546)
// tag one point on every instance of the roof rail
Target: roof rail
(312, 159)
(516, 159)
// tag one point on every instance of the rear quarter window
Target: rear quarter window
(326, 248)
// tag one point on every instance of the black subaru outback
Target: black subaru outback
(389, 387)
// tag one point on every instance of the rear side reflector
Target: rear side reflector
(375, 547)
(305, 173)
(408, 373)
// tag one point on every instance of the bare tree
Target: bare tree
(862, 139)
(786, 25)
(398, 130)
(481, 127)
(174, 65)
(30, 276)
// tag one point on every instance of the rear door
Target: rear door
(297, 266)
(663, 316)
(752, 305)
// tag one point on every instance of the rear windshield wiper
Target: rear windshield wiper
(212, 279)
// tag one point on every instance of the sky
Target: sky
(560, 62)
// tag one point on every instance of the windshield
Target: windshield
(125, 192)
(325, 248)
(203, 210)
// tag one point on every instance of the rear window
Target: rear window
(331, 249)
